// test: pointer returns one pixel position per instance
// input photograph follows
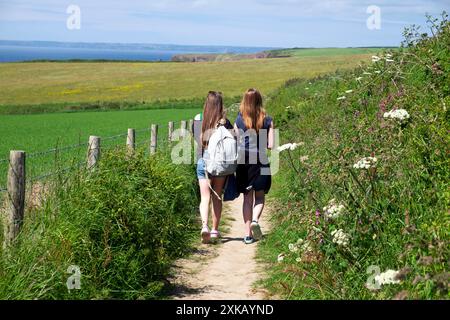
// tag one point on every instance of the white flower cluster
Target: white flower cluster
(289, 146)
(334, 209)
(388, 58)
(375, 59)
(340, 237)
(293, 247)
(388, 277)
(305, 245)
(399, 114)
(366, 163)
(280, 257)
(301, 245)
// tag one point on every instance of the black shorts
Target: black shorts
(249, 177)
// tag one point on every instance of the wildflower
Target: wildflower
(296, 145)
(342, 98)
(307, 247)
(340, 238)
(366, 163)
(293, 247)
(359, 79)
(333, 210)
(284, 147)
(399, 114)
(375, 58)
(280, 257)
(349, 91)
(298, 259)
(388, 277)
(290, 146)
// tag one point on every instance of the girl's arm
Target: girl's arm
(236, 131)
(271, 138)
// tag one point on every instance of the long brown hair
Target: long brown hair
(252, 110)
(212, 114)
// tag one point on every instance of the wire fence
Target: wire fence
(45, 164)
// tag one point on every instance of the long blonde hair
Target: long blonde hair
(252, 110)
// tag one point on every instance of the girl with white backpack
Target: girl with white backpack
(212, 183)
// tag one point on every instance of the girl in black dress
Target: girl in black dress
(255, 131)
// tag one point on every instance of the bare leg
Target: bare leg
(217, 185)
(205, 198)
(248, 211)
(259, 205)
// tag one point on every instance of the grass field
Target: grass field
(173, 92)
(38, 132)
(72, 83)
(324, 52)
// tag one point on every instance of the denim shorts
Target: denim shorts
(201, 174)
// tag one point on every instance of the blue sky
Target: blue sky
(276, 23)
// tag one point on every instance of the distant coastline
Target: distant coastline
(17, 51)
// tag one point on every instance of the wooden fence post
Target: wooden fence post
(154, 139)
(16, 192)
(93, 151)
(170, 131)
(183, 128)
(131, 140)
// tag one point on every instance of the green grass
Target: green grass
(123, 226)
(33, 133)
(66, 86)
(324, 52)
(396, 213)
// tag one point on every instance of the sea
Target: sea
(15, 51)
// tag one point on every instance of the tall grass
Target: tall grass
(122, 225)
(393, 214)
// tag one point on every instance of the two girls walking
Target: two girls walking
(254, 131)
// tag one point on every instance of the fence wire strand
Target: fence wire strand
(54, 173)
(55, 150)
(109, 143)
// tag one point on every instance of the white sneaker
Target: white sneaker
(215, 235)
(256, 230)
(206, 235)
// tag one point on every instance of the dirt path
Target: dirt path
(222, 272)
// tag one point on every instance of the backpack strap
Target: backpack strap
(209, 184)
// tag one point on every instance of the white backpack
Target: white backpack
(221, 156)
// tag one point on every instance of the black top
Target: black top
(251, 142)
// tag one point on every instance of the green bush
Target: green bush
(123, 225)
(394, 214)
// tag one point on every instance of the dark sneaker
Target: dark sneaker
(256, 230)
(249, 240)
